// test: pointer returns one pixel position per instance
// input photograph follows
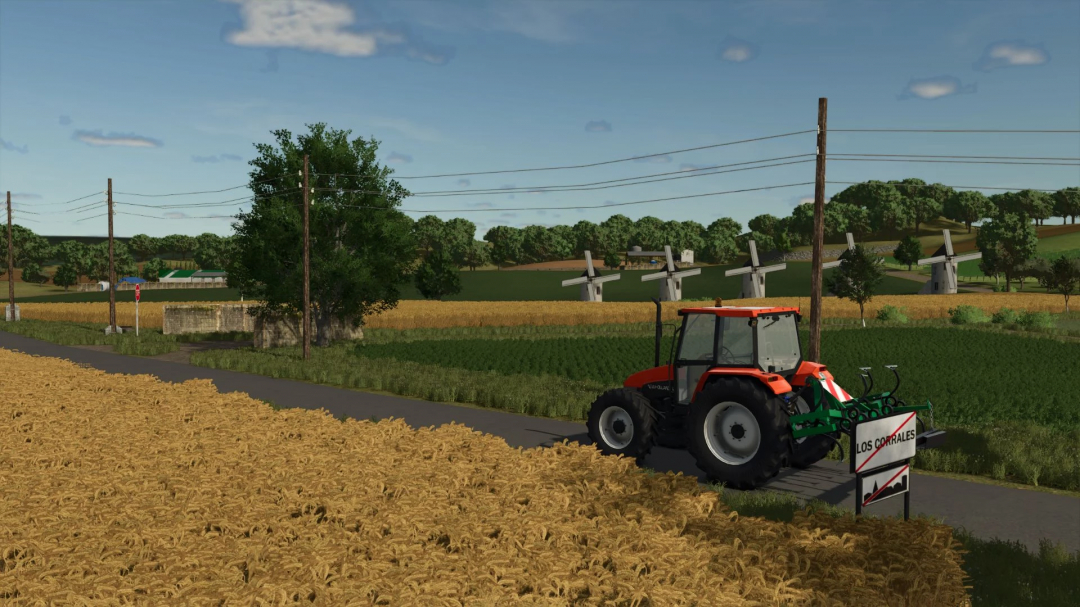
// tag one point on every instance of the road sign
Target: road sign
(136, 292)
(890, 482)
(879, 442)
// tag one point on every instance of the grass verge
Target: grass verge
(149, 342)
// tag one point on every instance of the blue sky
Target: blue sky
(167, 97)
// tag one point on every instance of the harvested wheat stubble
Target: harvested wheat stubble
(127, 490)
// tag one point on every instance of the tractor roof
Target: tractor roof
(737, 311)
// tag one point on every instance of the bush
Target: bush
(1001, 289)
(891, 314)
(1035, 320)
(1004, 316)
(966, 315)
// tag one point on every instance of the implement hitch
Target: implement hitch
(828, 415)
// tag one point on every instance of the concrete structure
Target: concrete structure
(670, 277)
(179, 319)
(943, 269)
(753, 282)
(687, 257)
(192, 276)
(592, 287)
(285, 331)
(7, 312)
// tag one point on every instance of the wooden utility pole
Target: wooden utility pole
(112, 268)
(10, 261)
(307, 268)
(819, 235)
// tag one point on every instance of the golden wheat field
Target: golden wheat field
(411, 314)
(126, 490)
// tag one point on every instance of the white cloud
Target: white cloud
(686, 166)
(735, 50)
(937, 87)
(175, 215)
(26, 196)
(98, 139)
(11, 147)
(464, 183)
(398, 158)
(481, 205)
(322, 26)
(232, 157)
(1011, 54)
(598, 126)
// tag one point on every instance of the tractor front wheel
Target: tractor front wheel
(739, 433)
(622, 422)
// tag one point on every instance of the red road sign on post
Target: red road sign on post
(136, 292)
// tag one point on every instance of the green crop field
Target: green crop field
(539, 285)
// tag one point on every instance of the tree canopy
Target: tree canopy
(362, 246)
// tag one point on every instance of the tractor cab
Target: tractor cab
(756, 341)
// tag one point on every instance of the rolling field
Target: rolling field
(122, 489)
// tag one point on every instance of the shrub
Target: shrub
(1035, 320)
(966, 315)
(1001, 289)
(1004, 316)
(890, 313)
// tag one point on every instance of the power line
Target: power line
(207, 204)
(177, 218)
(204, 191)
(599, 206)
(89, 218)
(47, 204)
(566, 188)
(526, 189)
(832, 130)
(1063, 164)
(955, 187)
(593, 164)
(946, 156)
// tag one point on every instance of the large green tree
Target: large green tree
(428, 232)
(362, 246)
(857, 278)
(506, 245)
(75, 255)
(438, 276)
(968, 207)
(617, 233)
(479, 254)
(1006, 242)
(588, 236)
(720, 246)
(180, 244)
(27, 246)
(66, 276)
(1035, 204)
(1067, 203)
(144, 247)
(908, 251)
(1063, 276)
(123, 261)
(458, 237)
(153, 268)
(648, 234)
(213, 252)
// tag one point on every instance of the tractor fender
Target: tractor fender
(807, 370)
(774, 383)
(648, 376)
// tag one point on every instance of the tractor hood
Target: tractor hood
(649, 376)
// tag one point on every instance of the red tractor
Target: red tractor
(738, 395)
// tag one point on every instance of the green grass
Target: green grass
(155, 295)
(149, 342)
(1001, 573)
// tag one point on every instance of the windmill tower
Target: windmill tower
(850, 246)
(671, 285)
(592, 287)
(943, 269)
(753, 282)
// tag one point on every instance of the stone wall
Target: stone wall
(285, 331)
(826, 253)
(203, 318)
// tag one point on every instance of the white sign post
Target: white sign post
(136, 310)
(876, 446)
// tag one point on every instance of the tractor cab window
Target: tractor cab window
(698, 338)
(736, 342)
(778, 343)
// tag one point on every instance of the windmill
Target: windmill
(592, 287)
(943, 270)
(671, 287)
(753, 282)
(850, 246)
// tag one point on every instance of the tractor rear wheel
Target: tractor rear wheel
(809, 450)
(739, 433)
(622, 422)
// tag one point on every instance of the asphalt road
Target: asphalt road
(985, 510)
